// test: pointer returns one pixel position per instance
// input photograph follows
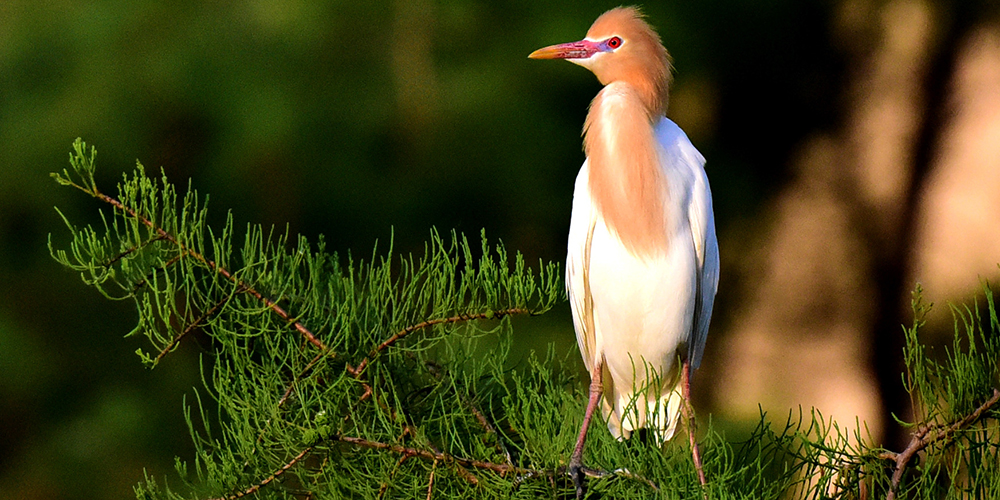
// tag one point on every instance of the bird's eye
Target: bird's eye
(614, 42)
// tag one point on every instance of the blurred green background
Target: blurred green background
(358, 120)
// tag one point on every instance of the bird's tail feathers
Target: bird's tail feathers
(648, 407)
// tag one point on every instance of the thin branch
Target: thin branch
(468, 476)
(368, 391)
(194, 324)
(437, 372)
(173, 260)
(291, 386)
(485, 423)
(130, 251)
(591, 473)
(385, 486)
(356, 372)
(255, 488)
(209, 263)
(431, 322)
(430, 482)
(599, 474)
(502, 469)
(928, 435)
(479, 416)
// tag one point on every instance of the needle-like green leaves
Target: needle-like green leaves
(391, 377)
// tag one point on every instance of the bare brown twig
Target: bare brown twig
(430, 482)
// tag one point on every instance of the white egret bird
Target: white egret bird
(643, 263)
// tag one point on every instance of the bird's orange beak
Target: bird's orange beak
(572, 50)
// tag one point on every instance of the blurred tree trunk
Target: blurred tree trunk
(956, 233)
(831, 279)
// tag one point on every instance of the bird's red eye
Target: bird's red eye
(614, 42)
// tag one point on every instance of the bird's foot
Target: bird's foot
(576, 472)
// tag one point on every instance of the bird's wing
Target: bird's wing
(702, 221)
(707, 247)
(684, 157)
(581, 232)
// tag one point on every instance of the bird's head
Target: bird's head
(621, 46)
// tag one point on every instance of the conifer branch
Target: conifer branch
(927, 435)
(134, 249)
(356, 372)
(164, 235)
(485, 423)
(173, 260)
(385, 485)
(466, 407)
(291, 386)
(481, 419)
(624, 473)
(502, 469)
(431, 322)
(194, 324)
(255, 488)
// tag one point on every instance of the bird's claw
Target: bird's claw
(576, 472)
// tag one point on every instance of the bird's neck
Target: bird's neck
(648, 77)
(626, 182)
(653, 92)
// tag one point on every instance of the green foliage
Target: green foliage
(330, 377)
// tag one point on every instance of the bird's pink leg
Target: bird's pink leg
(576, 460)
(689, 415)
